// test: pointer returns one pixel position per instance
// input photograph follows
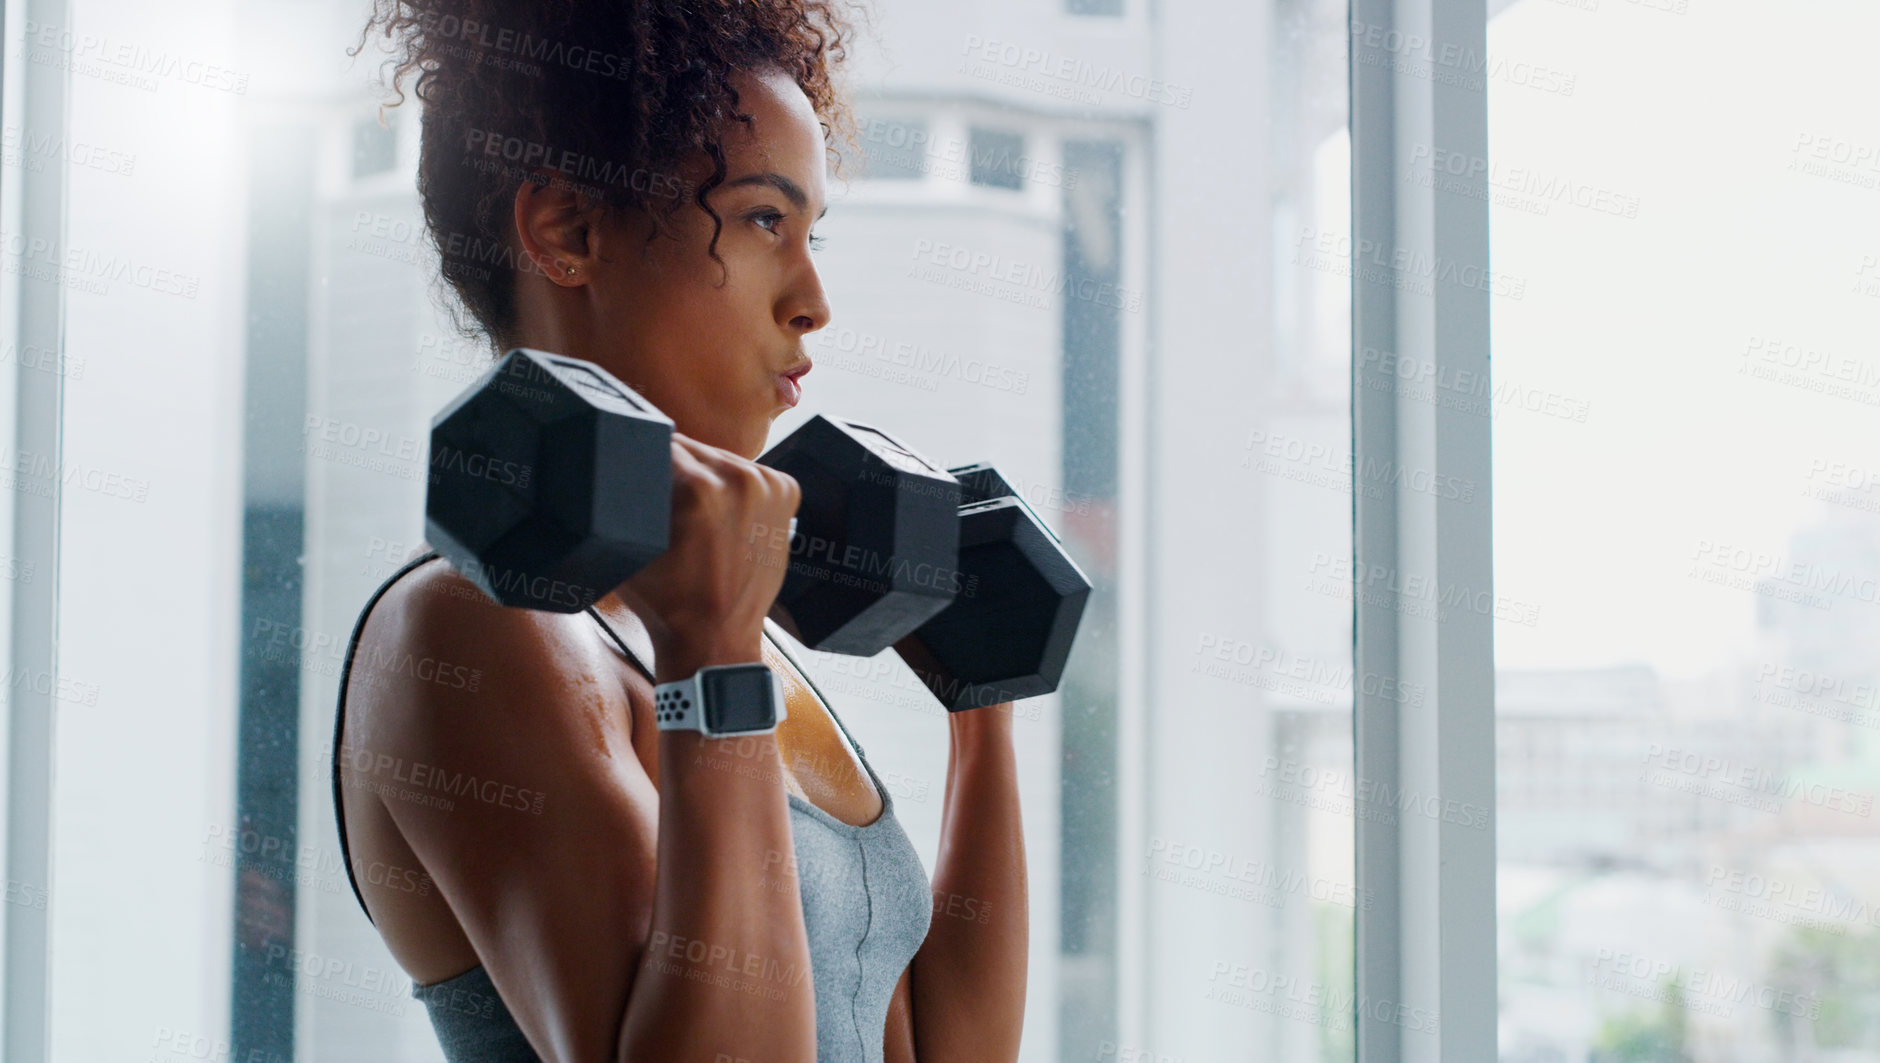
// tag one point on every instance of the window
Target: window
(895, 149)
(1683, 405)
(1160, 364)
(375, 147)
(998, 158)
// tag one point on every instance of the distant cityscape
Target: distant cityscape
(1691, 870)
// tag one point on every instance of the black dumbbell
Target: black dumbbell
(875, 552)
(1009, 632)
(551, 484)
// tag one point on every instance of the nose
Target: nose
(805, 306)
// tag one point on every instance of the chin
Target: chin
(758, 438)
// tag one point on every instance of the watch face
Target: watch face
(738, 699)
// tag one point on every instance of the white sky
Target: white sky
(1698, 116)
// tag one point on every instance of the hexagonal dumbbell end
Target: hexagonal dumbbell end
(1009, 632)
(876, 548)
(550, 482)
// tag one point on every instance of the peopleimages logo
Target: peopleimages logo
(1856, 692)
(1313, 675)
(1747, 784)
(1449, 62)
(92, 270)
(1369, 798)
(526, 154)
(809, 550)
(1292, 997)
(1477, 392)
(1416, 594)
(960, 267)
(923, 360)
(1064, 75)
(1294, 458)
(524, 45)
(1611, 968)
(1786, 901)
(1773, 570)
(127, 62)
(1201, 866)
(1430, 165)
(478, 467)
(25, 148)
(424, 783)
(1400, 267)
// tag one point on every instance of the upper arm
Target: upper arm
(544, 841)
(897, 1044)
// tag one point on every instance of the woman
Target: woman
(650, 173)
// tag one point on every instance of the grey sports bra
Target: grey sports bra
(866, 908)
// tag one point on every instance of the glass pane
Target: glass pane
(1683, 403)
(890, 149)
(1101, 253)
(998, 158)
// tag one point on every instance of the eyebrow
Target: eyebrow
(789, 188)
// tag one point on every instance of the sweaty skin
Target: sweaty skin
(560, 903)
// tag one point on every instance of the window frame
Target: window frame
(36, 315)
(1426, 948)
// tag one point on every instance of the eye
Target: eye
(767, 220)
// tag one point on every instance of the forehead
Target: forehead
(784, 134)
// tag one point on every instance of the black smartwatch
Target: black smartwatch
(722, 700)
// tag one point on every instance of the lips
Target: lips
(789, 385)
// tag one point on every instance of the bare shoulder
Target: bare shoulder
(435, 642)
(518, 791)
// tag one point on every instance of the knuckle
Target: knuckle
(783, 484)
(752, 474)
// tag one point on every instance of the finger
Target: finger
(692, 474)
(786, 486)
(705, 452)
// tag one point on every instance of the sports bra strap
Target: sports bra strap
(339, 717)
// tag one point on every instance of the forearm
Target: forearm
(969, 975)
(726, 971)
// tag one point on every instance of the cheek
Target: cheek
(707, 328)
(724, 305)
(686, 276)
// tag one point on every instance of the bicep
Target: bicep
(546, 848)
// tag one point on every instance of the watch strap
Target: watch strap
(678, 706)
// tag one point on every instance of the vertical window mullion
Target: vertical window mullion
(1422, 580)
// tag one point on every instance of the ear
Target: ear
(557, 229)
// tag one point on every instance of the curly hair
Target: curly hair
(617, 94)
